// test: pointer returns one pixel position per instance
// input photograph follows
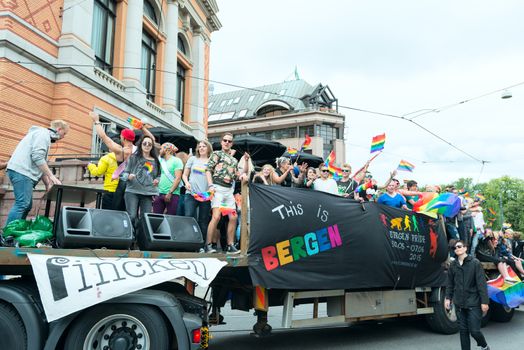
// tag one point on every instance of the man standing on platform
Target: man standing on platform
(222, 170)
(28, 165)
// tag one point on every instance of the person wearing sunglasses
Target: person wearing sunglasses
(221, 173)
(324, 183)
(142, 174)
(467, 289)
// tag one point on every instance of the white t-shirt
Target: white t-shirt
(327, 185)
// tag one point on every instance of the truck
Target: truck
(363, 260)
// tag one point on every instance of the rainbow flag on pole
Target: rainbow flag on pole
(406, 166)
(292, 151)
(377, 143)
(306, 144)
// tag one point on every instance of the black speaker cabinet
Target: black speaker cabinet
(168, 232)
(94, 228)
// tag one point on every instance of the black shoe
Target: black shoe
(231, 250)
(210, 249)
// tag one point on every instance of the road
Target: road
(398, 334)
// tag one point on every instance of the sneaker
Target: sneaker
(210, 249)
(231, 250)
(201, 251)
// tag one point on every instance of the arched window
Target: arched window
(103, 33)
(182, 45)
(149, 11)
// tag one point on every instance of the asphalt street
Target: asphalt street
(396, 334)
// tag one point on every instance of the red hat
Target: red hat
(128, 134)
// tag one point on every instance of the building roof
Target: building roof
(294, 95)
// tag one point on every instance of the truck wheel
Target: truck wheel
(442, 320)
(119, 326)
(501, 313)
(12, 330)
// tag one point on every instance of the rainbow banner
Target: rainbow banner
(306, 144)
(377, 143)
(405, 166)
(505, 293)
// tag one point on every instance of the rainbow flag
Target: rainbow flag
(292, 151)
(203, 196)
(306, 144)
(377, 143)
(507, 294)
(406, 166)
(480, 197)
(492, 212)
(135, 123)
(330, 159)
(227, 211)
(364, 186)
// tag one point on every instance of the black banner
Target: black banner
(305, 239)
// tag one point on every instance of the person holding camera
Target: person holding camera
(467, 290)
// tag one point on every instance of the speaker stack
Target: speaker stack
(94, 228)
(169, 233)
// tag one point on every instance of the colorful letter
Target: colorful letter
(310, 240)
(297, 248)
(283, 253)
(334, 236)
(323, 241)
(268, 255)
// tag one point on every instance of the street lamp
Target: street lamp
(506, 94)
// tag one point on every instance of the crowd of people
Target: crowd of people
(142, 176)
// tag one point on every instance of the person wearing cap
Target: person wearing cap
(28, 165)
(171, 173)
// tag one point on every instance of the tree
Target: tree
(506, 196)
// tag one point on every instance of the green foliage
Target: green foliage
(504, 195)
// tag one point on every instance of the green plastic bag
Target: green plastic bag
(32, 238)
(16, 228)
(42, 223)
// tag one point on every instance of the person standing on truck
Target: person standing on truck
(106, 166)
(171, 174)
(467, 289)
(28, 165)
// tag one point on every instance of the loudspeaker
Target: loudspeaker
(168, 232)
(94, 228)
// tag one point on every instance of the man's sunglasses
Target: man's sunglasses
(458, 246)
(325, 170)
(227, 141)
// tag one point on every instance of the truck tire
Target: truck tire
(442, 320)
(12, 330)
(501, 313)
(119, 326)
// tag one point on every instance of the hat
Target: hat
(128, 134)
(169, 146)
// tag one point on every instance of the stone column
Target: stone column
(132, 51)
(75, 40)
(197, 89)
(170, 62)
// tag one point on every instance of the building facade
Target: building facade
(284, 112)
(60, 59)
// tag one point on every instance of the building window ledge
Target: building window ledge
(111, 82)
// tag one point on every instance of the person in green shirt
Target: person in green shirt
(169, 192)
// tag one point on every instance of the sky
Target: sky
(394, 57)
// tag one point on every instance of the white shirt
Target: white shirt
(327, 185)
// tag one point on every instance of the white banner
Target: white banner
(69, 283)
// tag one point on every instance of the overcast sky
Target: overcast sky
(394, 57)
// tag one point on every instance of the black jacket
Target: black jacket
(466, 285)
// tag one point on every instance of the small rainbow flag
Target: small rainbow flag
(480, 197)
(135, 122)
(377, 143)
(149, 166)
(203, 196)
(507, 294)
(330, 159)
(292, 151)
(406, 166)
(306, 144)
(492, 212)
(364, 186)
